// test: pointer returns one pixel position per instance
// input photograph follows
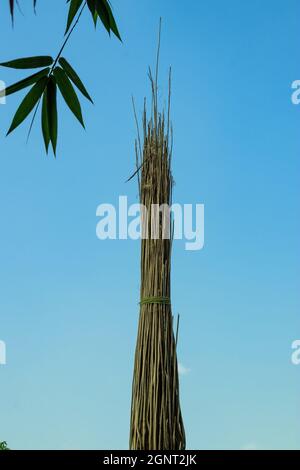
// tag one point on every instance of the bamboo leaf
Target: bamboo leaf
(74, 77)
(29, 62)
(74, 7)
(28, 103)
(11, 9)
(45, 123)
(95, 18)
(92, 6)
(103, 10)
(52, 111)
(113, 25)
(103, 14)
(68, 93)
(3, 445)
(24, 83)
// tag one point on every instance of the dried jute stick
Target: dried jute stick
(156, 420)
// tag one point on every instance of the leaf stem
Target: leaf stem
(67, 38)
(54, 64)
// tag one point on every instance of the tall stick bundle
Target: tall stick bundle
(156, 421)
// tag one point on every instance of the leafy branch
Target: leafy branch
(56, 74)
(3, 446)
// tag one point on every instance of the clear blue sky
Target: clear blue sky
(68, 302)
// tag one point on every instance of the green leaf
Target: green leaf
(92, 7)
(103, 14)
(103, 10)
(28, 103)
(74, 7)
(95, 18)
(52, 111)
(24, 83)
(68, 93)
(3, 445)
(12, 9)
(29, 62)
(74, 77)
(112, 22)
(45, 123)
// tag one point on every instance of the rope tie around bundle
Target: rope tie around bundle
(156, 300)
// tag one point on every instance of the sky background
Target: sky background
(69, 302)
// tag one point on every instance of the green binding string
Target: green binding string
(156, 300)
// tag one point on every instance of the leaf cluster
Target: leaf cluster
(3, 446)
(55, 74)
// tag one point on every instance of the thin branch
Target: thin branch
(177, 329)
(137, 126)
(156, 72)
(67, 39)
(169, 104)
(33, 118)
(138, 159)
(54, 65)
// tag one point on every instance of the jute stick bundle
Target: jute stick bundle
(156, 421)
